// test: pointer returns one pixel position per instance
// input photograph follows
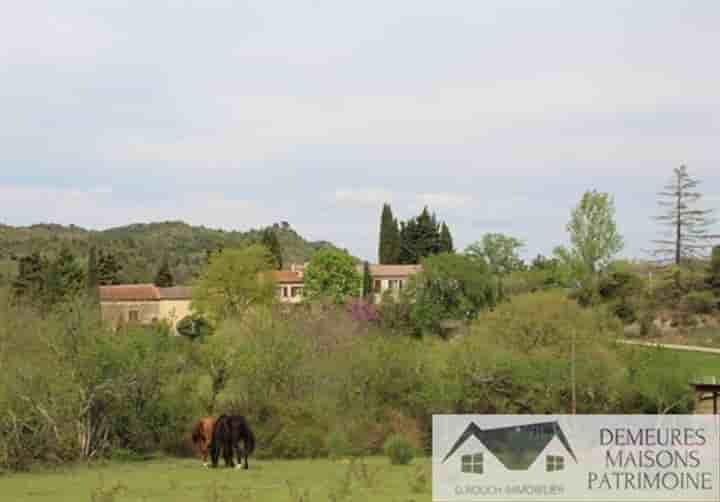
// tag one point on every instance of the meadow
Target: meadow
(185, 480)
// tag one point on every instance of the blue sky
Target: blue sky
(497, 114)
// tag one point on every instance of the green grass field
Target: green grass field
(185, 480)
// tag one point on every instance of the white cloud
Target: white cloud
(94, 208)
(444, 200)
(365, 197)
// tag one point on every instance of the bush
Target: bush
(701, 302)
(338, 445)
(399, 450)
(625, 310)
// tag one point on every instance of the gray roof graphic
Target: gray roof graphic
(517, 446)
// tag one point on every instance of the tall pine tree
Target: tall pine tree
(446, 240)
(689, 234)
(389, 245)
(269, 240)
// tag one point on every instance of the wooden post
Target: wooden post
(574, 394)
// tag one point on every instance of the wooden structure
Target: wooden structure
(706, 391)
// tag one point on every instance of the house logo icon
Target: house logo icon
(538, 447)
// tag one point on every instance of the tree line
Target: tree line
(408, 242)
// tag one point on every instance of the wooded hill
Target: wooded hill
(140, 248)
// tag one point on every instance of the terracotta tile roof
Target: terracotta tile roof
(175, 293)
(394, 270)
(142, 293)
(287, 277)
(129, 293)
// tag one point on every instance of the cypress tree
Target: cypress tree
(388, 248)
(427, 235)
(367, 280)
(408, 242)
(446, 240)
(164, 277)
(396, 241)
(269, 240)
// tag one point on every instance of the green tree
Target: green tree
(446, 240)
(593, 233)
(450, 286)
(164, 277)
(29, 284)
(270, 241)
(92, 273)
(594, 241)
(689, 235)
(367, 281)
(389, 244)
(233, 282)
(419, 238)
(331, 275)
(65, 279)
(713, 280)
(500, 252)
(108, 269)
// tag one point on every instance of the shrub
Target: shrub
(647, 326)
(338, 445)
(701, 302)
(399, 450)
(625, 310)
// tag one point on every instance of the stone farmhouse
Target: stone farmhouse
(146, 303)
(143, 304)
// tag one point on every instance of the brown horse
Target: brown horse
(202, 434)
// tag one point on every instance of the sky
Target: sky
(497, 115)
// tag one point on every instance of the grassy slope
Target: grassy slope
(186, 480)
(698, 363)
(141, 247)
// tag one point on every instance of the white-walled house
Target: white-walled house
(147, 303)
(392, 278)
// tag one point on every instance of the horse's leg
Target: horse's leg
(228, 452)
(245, 454)
(215, 452)
(238, 454)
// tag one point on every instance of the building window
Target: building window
(377, 285)
(554, 463)
(472, 463)
(134, 315)
(296, 291)
(283, 292)
(393, 284)
(401, 283)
